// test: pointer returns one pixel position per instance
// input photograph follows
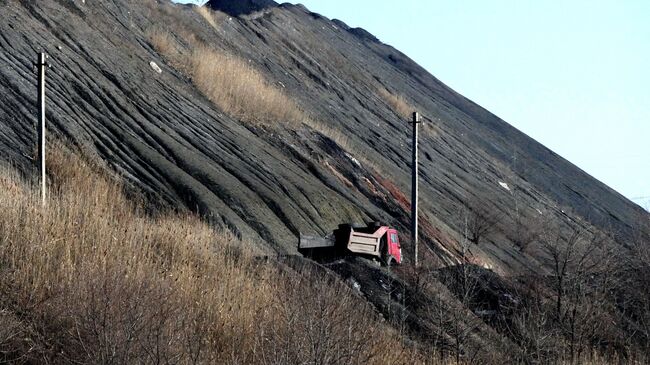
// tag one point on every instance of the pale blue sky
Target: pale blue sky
(574, 75)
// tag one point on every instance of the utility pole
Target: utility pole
(414, 185)
(42, 64)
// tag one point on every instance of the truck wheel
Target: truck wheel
(390, 261)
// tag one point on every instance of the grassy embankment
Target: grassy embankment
(92, 279)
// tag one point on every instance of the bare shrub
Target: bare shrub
(240, 90)
(14, 339)
(320, 321)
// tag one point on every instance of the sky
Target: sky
(574, 75)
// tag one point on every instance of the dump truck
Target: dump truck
(371, 240)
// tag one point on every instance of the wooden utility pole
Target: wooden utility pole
(414, 186)
(42, 64)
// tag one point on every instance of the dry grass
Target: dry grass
(230, 82)
(354, 149)
(173, 46)
(90, 279)
(240, 90)
(163, 42)
(207, 14)
(397, 103)
(366, 156)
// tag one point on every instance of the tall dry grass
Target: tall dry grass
(236, 87)
(207, 14)
(240, 90)
(90, 279)
(162, 41)
(230, 82)
(397, 103)
(363, 155)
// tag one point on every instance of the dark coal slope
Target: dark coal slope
(241, 7)
(270, 183)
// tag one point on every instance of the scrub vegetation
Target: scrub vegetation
(91, 279)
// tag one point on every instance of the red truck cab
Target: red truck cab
(394, 249)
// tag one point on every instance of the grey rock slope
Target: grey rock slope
(268, 183)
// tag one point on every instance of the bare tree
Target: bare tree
(642, 263)
(527, 230)
(583, 274)
(635, 303)
(459, 322)
(531, 325)
(479, 220)
(438, 312)
(454, 322)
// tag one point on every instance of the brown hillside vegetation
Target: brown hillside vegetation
(90, 279)
(396, 102)
(231, 83)
(207, 14)
(240, 90)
